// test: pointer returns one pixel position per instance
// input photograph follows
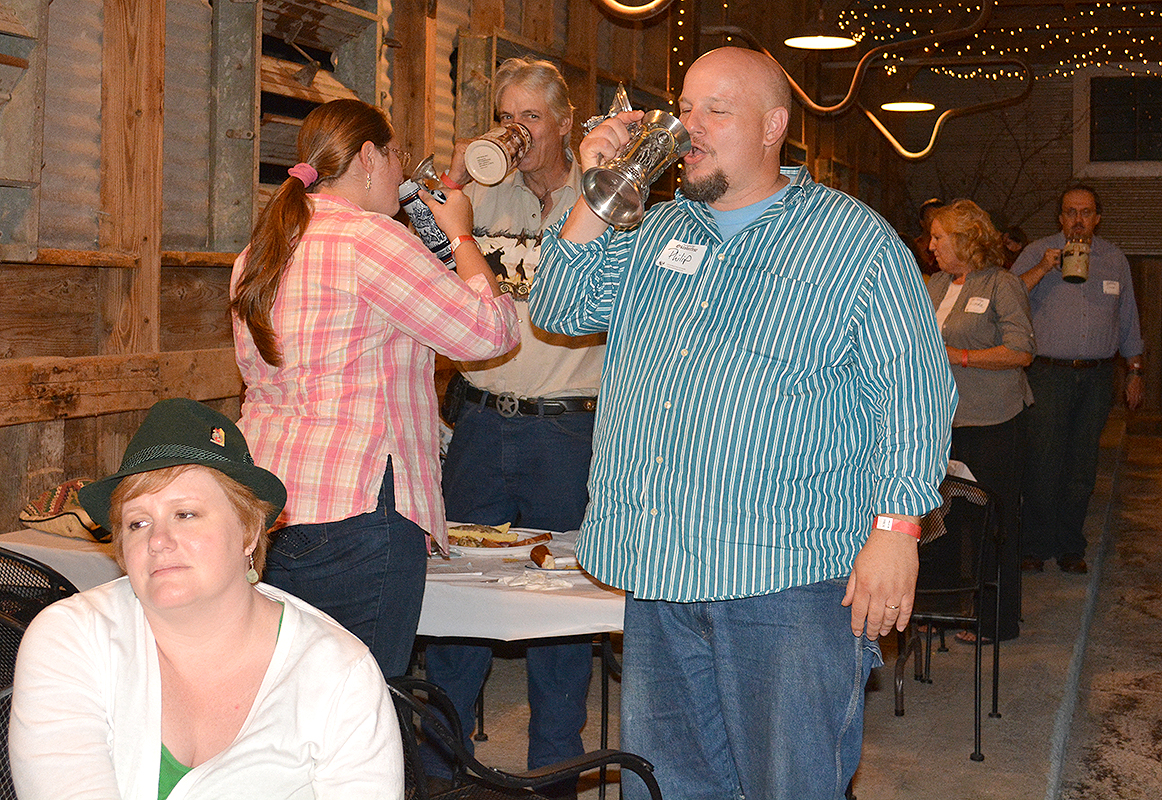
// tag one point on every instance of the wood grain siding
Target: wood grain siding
(39, 389)
(196, 316)
(132, 90)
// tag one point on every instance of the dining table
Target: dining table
(497, 595)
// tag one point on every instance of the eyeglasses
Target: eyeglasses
(404, 157)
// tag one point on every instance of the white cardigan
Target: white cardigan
(86, 711)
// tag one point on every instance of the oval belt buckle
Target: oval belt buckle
(507, 405)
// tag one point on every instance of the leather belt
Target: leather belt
(509, 405)
(1076, 363)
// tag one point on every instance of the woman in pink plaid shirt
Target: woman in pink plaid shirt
(338, 313)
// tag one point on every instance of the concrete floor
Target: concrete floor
(1080, 703)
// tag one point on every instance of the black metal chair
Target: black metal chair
(424, 710)
(959, 548)
(27, 585)
(11, 632)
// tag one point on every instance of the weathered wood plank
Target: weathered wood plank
(38, 389)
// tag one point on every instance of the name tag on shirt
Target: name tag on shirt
(681, 257)
(1111, 287)
(976, 305)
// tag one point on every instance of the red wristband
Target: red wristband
(883, 523)
(451, 184)
(964, 358)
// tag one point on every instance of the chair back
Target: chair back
(953, 542)
(11, 632)
(27, 585)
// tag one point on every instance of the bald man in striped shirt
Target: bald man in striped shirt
(774, 418)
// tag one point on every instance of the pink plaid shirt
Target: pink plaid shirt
(361, 312)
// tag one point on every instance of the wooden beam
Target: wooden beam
(132, 103)
(39, 389)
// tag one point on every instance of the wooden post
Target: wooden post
(132, 97)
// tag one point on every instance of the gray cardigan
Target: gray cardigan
(999, 315)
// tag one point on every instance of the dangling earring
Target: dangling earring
(368, 182)
(252, 573)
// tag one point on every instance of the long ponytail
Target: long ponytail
(329, 140)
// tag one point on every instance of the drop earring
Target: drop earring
(368, 184)
(252, 573)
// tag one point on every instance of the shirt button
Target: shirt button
(685, 352)
(721, 256)
(705, 304)
(659, 459)
(666, 405)
(653, 512)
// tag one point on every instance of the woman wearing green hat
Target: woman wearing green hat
(187, 678)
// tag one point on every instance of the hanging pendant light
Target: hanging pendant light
(908, 102)
(818, 35)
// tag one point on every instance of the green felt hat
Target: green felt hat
(177, 432)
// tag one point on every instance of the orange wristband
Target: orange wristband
(461, 239)
(964, 358)
(451, 184)
(883, 523)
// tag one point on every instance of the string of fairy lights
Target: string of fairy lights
(1080, 33)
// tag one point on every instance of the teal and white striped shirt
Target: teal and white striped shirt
(762, 397)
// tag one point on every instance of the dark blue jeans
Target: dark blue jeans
(366, 571)
(1070, 408)
(532, 472)
(760, 697)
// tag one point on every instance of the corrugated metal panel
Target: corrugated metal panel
(1131, 214)
(452, 18)
(186, 148)
(70, 182)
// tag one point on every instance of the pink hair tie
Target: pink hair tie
(304, 172)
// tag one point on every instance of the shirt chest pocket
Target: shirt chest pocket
(778, 317)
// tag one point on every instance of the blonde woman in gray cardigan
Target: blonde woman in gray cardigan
(983, 314)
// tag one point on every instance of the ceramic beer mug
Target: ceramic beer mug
(1075, 261)
(497, 152)
(617, 190)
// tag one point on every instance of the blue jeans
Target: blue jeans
(760, 697)
(366, 571)
(532, 472)
(1070, 408)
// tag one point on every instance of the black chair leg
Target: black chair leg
(977, 755)
(480, 735)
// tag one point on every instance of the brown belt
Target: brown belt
(1077, 363)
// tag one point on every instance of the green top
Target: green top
(172, 771)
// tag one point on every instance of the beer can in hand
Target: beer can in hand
(425, 223)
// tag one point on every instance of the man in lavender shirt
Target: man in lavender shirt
(1080, 329)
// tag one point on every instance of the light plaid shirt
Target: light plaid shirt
(361, 312)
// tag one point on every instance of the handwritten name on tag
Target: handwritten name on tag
(681, 257)
(976, 305)
(1111, 287)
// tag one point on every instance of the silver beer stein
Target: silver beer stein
(426, 176)
(620, 103)
(617, 189)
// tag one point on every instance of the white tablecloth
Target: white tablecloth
(464, 598)
(85, 563)
(463, 595)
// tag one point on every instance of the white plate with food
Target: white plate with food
(499, 541)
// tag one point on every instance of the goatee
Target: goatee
(708, 189)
